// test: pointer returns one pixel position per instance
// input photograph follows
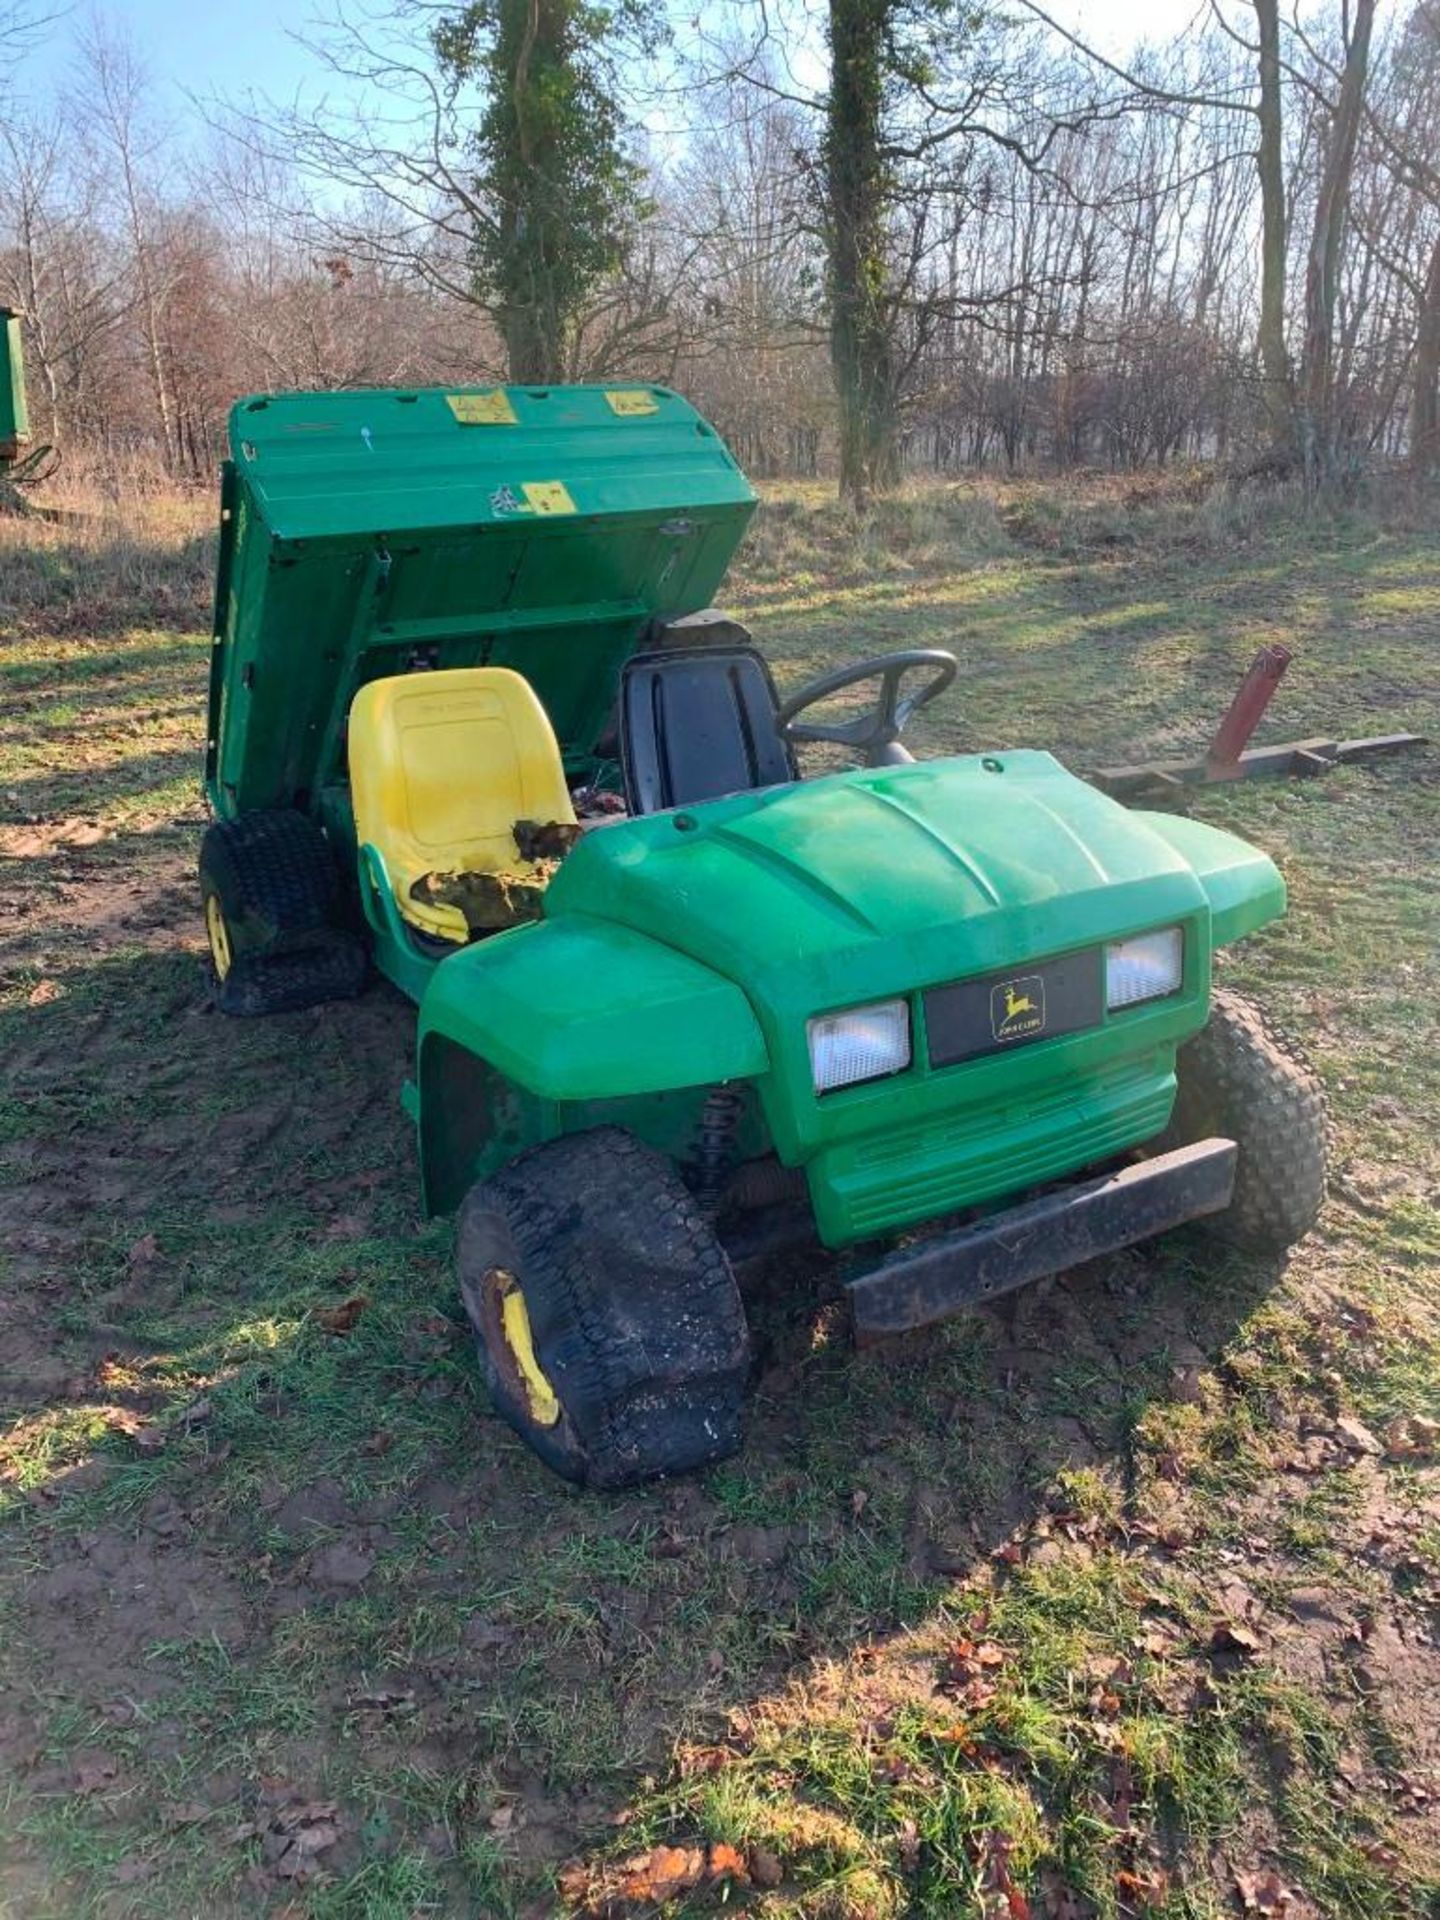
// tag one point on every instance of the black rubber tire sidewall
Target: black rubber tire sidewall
(274, 877)
(635, 1315)
(1242, 1078)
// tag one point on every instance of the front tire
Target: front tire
(610, 1330)
(1241, 1078)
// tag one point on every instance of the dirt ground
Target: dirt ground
(1120, 1599)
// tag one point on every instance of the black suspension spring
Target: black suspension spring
(715, 1147)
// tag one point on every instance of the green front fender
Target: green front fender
(1242, 884)
(524, 1036)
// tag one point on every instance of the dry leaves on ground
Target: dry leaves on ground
(341, 1319)
(649, 1879)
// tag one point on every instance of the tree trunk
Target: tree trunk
(862, 356)
(1319, 426)
(1425, 392)
(1270, 163)
(532, 326)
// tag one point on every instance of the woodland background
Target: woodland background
(867, 238)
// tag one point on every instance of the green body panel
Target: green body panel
(1241, 883)
(857, 887)
(14, 416)
(365, 534)
(622, 1014)
(579, 1023)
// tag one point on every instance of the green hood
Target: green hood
(880, 880)
(691, 948)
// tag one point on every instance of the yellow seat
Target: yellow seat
(442, 765)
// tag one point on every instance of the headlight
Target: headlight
(864, 1043)
(1145, 968)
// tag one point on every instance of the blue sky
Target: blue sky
(203, 48)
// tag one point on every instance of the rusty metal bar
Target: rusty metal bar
(1243, 715)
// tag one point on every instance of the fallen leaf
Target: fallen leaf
(1411, 1435)
(342, 1318)
(1061, 1901)
(574, 1882)
(908, 1846)
(41, 994)
(387, 1700)
(1265, 1893)
(142, 1253)
(995, 1852)
(185, 1813)
(502, 1818)
(1357, 1436)
(1144, 1889)
(766, 1869)
(1234, 1636)
(380, 1441)
(726, 1863)
(859, 1500)
(662, 1874)
(94, 1770)
(295, 1833)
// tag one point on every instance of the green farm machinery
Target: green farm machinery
(22, 462)
(472, 726)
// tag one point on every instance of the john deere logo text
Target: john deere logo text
(1017, 1007)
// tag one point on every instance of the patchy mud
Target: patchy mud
(291, 1623)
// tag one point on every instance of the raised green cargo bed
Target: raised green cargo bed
(364, 534)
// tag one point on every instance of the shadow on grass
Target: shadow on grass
(343, 1519)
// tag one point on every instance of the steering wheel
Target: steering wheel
(876, 734)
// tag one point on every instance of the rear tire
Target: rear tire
(609, 1326)
(1239, 1077)
(271, 896)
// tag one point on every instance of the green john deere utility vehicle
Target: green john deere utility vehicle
(472, 725)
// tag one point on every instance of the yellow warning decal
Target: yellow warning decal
(491, 409)
(630, 400)
(548, 496)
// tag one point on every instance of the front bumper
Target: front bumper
(956, 1270)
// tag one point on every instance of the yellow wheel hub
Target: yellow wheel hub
(514, 1323)
(218, 934)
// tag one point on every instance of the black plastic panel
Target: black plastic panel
(697, 723)
(1005, 1010)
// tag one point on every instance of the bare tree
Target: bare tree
(1322, 267)
(115, 95)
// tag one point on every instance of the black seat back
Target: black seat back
(696, 723)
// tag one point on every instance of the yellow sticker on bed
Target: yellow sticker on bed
(548, 496)
(625, 400)
(491, 409)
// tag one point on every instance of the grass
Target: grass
(251, 1569)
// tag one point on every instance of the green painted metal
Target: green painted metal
(1242, 884)
(372, 533)
(624, 1014)
(368, 533)
(856, 887)
(579, 1024)
(396, 950)
(14, 416)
